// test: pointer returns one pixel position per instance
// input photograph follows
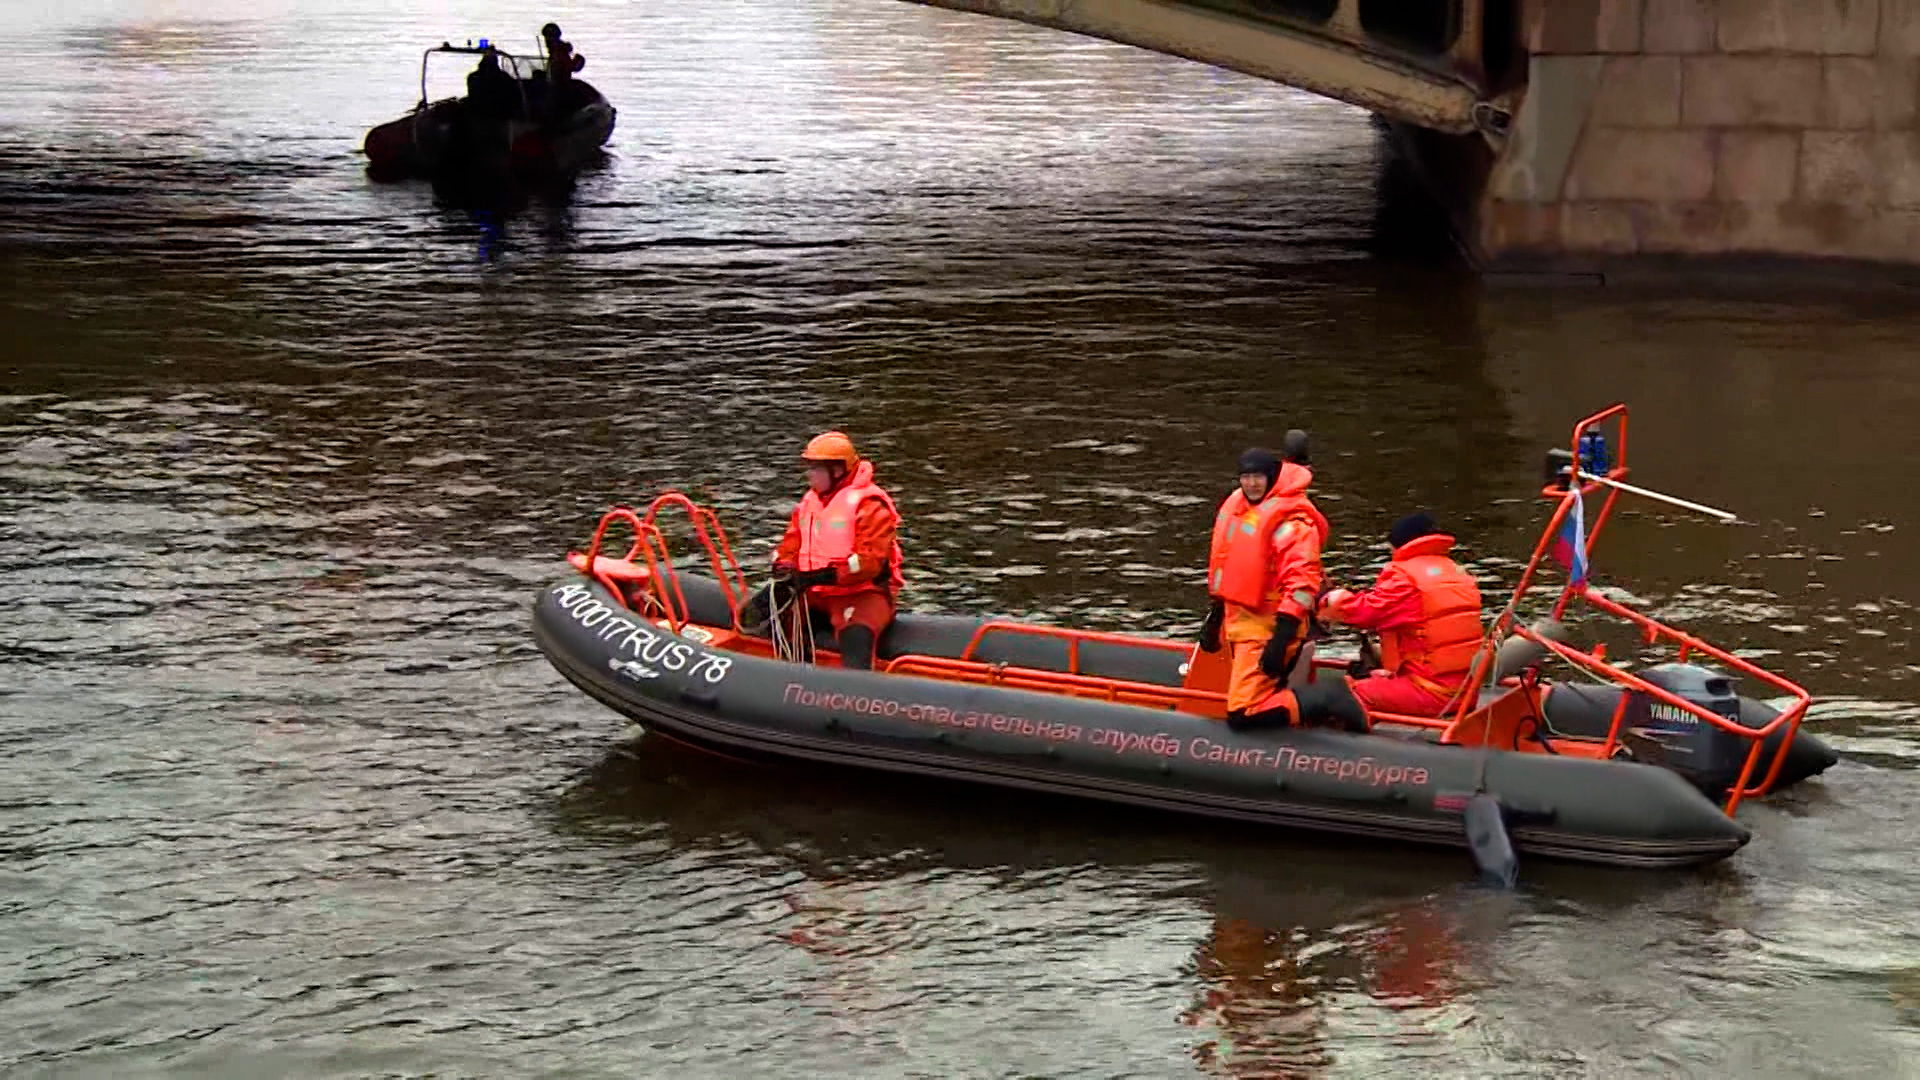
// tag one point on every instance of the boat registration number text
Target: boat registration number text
(644, 643)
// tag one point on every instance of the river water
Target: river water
(284, 456)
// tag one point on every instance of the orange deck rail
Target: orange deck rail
(713, 537)
(661, 580)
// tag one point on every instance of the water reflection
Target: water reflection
(1280, 934)
(1289, 941)
(1278, 973)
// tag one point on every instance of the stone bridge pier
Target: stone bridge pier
(1710, 128)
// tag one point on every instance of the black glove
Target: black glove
(756, 615)
(1367, 662)
(823, 576)
(1210, 627)
(1283, 651)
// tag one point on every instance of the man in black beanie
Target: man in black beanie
(1426, 610)
(1263, 572)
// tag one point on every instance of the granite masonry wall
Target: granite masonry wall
(1712, 128)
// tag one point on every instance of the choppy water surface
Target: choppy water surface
(284, 455)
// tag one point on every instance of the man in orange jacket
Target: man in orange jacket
(1263, 572)
(1427, 612)
(840, 551)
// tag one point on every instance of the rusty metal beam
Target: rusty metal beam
(1317, 62)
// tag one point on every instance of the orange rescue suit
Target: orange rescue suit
(1265, 558)
(1265, 562)
(1436, 649)
(853, 532)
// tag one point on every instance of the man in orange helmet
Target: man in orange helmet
(1426, 609)
(1263, 573)
(841, 549)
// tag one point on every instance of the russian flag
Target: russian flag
(1570, 546)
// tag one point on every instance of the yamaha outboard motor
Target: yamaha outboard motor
(1657, 733)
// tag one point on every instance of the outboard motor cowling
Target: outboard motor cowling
(1657, 733)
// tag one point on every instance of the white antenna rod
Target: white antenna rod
(1657, 497)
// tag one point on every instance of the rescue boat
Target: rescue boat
(1634, 769)
(449, 141)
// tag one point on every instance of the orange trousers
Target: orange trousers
(1250, 690)
(871, 608)
(1385, 692)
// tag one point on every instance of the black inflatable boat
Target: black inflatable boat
(1641, 769)
(538, 131)
(690, 687)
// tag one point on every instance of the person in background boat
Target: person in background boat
(491, 92)
(841, 548)
(1263, 573)
(562, 61)
(1426, 610)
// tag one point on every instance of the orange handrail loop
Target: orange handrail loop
(650, 545)
(663, 584)
(713, 537)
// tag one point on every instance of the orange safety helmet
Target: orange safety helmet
(831, 446)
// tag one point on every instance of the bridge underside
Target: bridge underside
(1572, 134)
(1420, 62)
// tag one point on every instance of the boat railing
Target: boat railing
(1593, 470)
(969, 667)
(1014, 677)
(522, 68)
(658, 579)
(1653, 631)
(657, 576)
(721, 560)
(1073, 638)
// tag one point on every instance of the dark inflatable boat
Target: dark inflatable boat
(534, 132)
(694, 688)
(1641, 768)
(1573, 718)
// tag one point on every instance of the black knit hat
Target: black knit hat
(1411, 528)
(1294, 447)
(1261, 461)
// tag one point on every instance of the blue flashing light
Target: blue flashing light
(483, 43)
(1595, 458)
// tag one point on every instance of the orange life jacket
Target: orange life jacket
(827, 531)
(1442, 644)
(1240, 565)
